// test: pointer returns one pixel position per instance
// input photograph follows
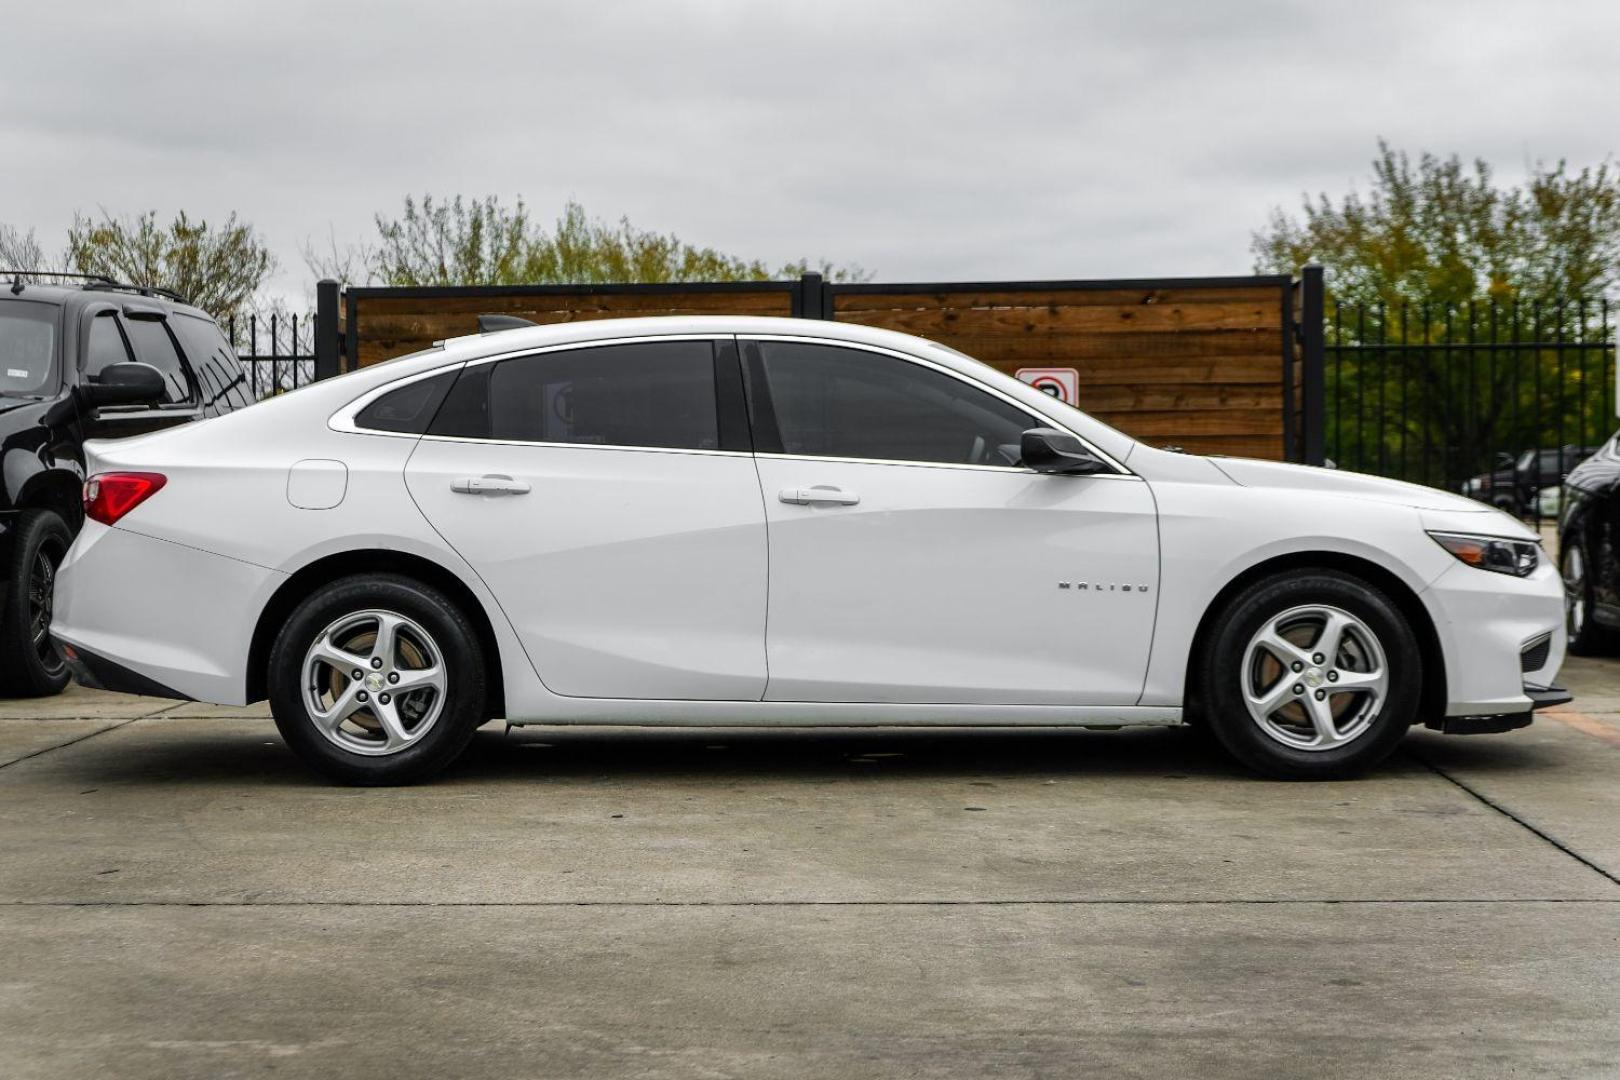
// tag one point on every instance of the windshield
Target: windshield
(27, 347)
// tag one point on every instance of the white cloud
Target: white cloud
(922, 140)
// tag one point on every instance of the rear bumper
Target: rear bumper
(157, 617)
(99, 673)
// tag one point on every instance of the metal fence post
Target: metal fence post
(328, 339)
(1312, 350)
(810, 297)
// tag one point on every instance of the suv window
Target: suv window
(152, 344)
(656, 393)
(220, 379)
(104, 345)
(829, 401)
(27, 347)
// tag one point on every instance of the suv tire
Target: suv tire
(30, 666)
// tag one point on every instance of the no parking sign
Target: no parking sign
(1062, 383)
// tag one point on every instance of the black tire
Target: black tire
(437, 742)
(31, 666)
(1586, 637)
(1371, 733)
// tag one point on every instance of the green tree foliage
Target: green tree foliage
(1492, 283)
(217, 267)
(484, 242)
(1438, 231)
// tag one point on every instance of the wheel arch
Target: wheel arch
(56, 490)
(1433, 701)
(329, 568)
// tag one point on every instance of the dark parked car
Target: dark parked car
(92, 359)
(1588, 535)
(1513, 484)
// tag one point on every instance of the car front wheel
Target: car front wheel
(1311, 675)
(377, 679)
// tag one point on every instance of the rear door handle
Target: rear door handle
(489, 484)
(819, 493)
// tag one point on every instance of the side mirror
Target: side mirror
(1049, 450)
(128, 383)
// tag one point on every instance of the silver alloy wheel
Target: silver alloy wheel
(1315, 677)
(374, 682)
(1574, 591)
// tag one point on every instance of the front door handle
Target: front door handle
(820, 493)
(489, 484)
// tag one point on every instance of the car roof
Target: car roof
(531, 337)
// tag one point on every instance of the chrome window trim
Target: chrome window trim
(343, 419)
(933, 365)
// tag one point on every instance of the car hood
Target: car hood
(1277, 474)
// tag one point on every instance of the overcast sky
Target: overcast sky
(924, 141)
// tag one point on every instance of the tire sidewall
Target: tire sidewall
(458, 645)
(1591, 641)
(24, 673)
(1228, 715)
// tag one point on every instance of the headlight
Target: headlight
(1473, 487)
(1517, 557)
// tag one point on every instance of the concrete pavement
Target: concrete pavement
(178, 898)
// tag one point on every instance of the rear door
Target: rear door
(607, 496)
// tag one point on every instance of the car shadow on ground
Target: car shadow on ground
(224, 751)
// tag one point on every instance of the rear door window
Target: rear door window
(643, 394)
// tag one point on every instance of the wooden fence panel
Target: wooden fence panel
(1189, 364)
(1207, 365)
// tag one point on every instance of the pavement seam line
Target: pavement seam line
(1523, 823)
(1100, 902)
(89, 735)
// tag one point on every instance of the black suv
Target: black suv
(87, 360)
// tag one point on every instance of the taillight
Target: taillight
(109, 496)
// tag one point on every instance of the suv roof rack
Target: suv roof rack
(92, 281)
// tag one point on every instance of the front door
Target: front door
(913, 560)
(603, 495)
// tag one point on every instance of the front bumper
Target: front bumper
(1487, 623)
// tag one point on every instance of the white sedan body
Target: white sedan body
(712, 586)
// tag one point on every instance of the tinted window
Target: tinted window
(27, 347)
(103, 345)
(833, 402)
(651, 394)
(153, 345)
(220, 379)
(409, 409)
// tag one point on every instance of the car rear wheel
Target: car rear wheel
(377, 679)
(1313, 675)
(30, 666)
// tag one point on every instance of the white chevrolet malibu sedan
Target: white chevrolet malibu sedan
(745, 521)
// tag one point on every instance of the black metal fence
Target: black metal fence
(1497, 400)
(277, 351)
